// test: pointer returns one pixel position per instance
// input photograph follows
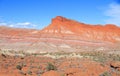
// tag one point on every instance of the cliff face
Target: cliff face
(66, 27)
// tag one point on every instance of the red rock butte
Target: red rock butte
(67, 27)
(62, 33)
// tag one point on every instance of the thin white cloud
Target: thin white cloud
(113, 13)
(2, 23)
(11, 25)
(20, 25)
(25, 25)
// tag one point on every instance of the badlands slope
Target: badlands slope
(61, 34)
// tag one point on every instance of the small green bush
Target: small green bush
(3, 55)
(19, 67)
(50, 66)
(29, 72)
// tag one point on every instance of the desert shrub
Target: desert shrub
(39, 72)
(3, 55)
(21, 72)
(22, 57)
(23, 64)
(105, 74)
(114, 57)
(39, 67)
(29, 72)
(50, 66)
(100, 59)
(62, 75)
(19, 67)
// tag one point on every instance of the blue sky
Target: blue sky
(38, 13)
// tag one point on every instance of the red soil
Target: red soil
(35, 66)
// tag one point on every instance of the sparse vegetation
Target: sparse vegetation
(19, 67)
(62, 74)
(22, 72)
(29, 72)
(50, 66)
(105, 74)
(3, 55)
(101, 56)
(36, 66)
(39, 72)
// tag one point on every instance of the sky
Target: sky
(37, 14)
